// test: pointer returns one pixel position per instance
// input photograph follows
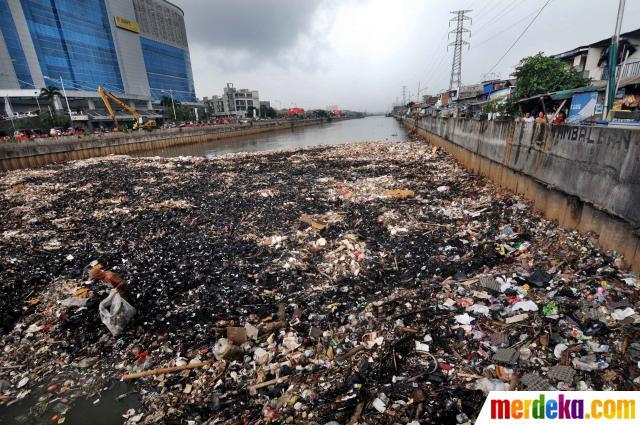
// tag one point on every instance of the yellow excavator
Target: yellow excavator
(105, 95)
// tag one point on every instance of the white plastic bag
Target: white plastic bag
(115, 312)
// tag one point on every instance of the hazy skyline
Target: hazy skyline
(358, 54)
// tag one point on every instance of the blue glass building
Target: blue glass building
(14, 47)
(135, 48)
(73, 40)
(168, 70)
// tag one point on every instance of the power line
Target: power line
(429, 67)
(437, 67)
(502, 31)
(501, 13)
(484, 11)
(520, 36)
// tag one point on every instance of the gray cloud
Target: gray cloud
(248, 28)
(359, 53)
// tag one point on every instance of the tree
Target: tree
(181, 113)
(49, 93)
(250, 110)
(168, 102)
(539, 74)
(268, 112)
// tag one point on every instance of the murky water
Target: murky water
(104, 408)
(357, 130)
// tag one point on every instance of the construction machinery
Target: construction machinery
(105, 95)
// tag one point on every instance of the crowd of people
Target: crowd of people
(541, 118)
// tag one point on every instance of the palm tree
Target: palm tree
(49, 93)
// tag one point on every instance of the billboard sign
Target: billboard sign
(295, 111)
(500, 94)
(127, 24)
(583, 106)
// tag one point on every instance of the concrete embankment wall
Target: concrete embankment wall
(586, 178)
(36, 153)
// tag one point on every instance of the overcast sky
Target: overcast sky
(358, 54)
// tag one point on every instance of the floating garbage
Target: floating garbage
(360, 283)
(115, 311)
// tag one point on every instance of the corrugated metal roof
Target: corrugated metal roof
(565, 94)
(629, 81)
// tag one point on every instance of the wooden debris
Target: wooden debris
(164, 370)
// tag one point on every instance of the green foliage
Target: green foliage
(167, 102)
(183, 113)
(48, 121)
(539, 74)
(26, 123)
(268, 112)
(49, 93)
(205, 114)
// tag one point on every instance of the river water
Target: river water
(375, 128)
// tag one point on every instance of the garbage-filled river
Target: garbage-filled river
(376, 282)
(356, 130)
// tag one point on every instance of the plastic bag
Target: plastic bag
(115, 312)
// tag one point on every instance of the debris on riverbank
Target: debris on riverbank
(375, 282)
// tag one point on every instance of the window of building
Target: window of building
(12, 40)
(73, 40)
(168, 71)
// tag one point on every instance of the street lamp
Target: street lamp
(173, 105)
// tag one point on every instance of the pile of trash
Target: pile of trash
(362, 283)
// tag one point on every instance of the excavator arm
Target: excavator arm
(105, 95)
(105, 100)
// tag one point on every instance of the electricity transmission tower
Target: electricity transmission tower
(456, 67)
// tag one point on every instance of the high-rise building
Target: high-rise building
(136, 49)
(239, 101)
(216, 105)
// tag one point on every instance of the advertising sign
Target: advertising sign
(127, 24)
(500, 94)
(583, 106)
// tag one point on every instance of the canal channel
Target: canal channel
(374, 128)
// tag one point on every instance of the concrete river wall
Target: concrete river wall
(39, 152)
(586, 178)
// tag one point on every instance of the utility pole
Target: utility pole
(613, 61)
(65, 96)
(456, 66)
(404, 96)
